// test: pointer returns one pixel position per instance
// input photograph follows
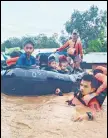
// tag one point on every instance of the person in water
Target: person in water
(88, 85)
(101, 92)
(74, 46)
(26, 59)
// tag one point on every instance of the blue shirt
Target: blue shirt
(24, 61)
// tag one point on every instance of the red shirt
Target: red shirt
(94, 105)
(70, 44)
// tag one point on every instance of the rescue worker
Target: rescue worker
(88, 85)
(74, 46)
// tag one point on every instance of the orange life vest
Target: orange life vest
(73, 47)
(12, 61)
(82, 100)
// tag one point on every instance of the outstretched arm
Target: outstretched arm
(63, 47)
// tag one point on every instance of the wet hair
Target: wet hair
(15, 54)
(43, 59)
(28, 42)
(90, 78)
(97, 71)
(51, 59)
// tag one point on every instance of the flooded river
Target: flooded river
(47, 117)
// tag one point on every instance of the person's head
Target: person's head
(88, 84)
(97, 71)
(63, 62)
(29, 47)
(52, 62)
(74, 35)
(43, 60)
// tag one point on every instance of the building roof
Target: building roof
(95, 57)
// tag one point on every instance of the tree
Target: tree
(63, 38)
(97, 45)
(90, 24)
(10, 43)
(40, 41)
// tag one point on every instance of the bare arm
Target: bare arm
(104, 83)
(101, 88)
(63, 47)
(87, 113)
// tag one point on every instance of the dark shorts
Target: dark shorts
(72, 56)
(76, 58)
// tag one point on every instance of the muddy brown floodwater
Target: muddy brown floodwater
(47, 117)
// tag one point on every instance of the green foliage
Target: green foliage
(96, 46)
(63, 39)
(43, 41)
(91, 25)
(10, 50)
(40, 41)
(11, 43)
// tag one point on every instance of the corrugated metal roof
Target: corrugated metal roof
(96, 57)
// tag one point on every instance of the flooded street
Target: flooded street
(46, 117)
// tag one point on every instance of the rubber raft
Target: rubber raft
(28, 82)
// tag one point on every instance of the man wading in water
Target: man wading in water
(89, 85)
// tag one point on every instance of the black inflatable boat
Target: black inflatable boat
(26, 82)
